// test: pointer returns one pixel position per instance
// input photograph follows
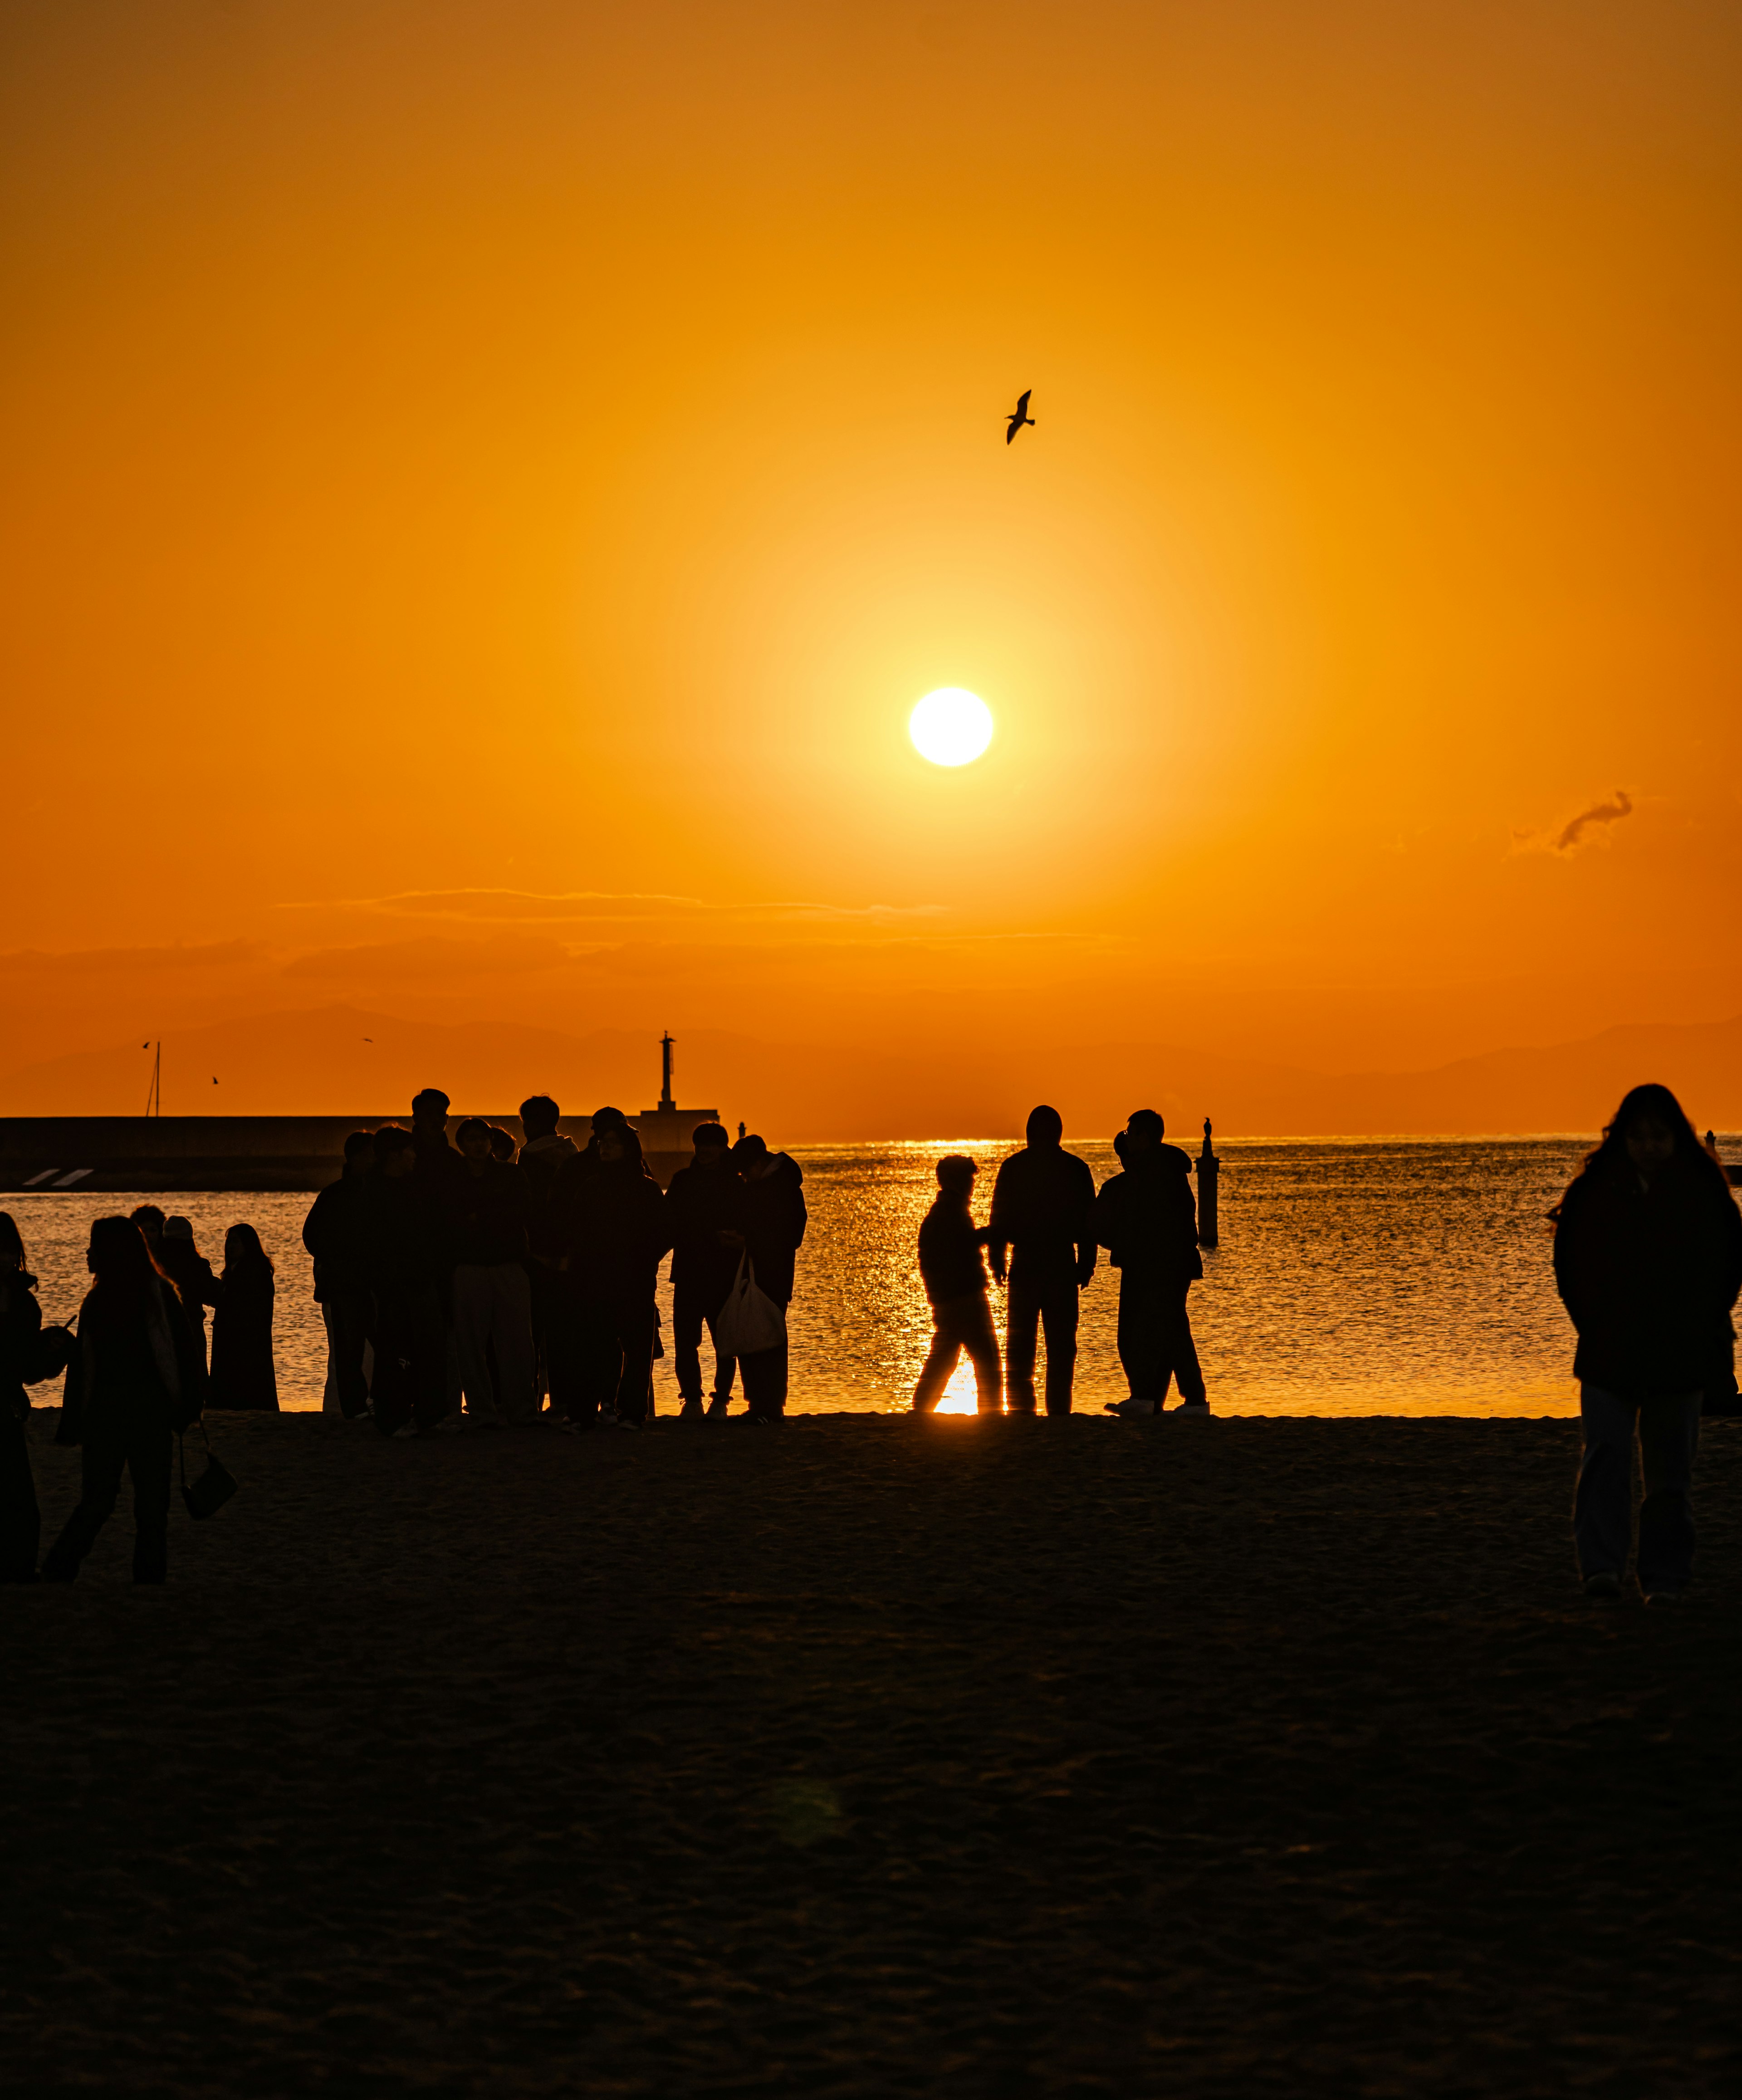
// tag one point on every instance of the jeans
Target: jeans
(108, 1453)
(958, 1324)
(21, 1521)
(766, 1377)
(410, 1357)
(493, 1304)
(1033, 1300)
(1155, 1336)
(1668, 1425)
(607, 1340)
(349, 1317)
(691, 1310)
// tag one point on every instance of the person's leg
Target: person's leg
(1669, 1438)
(1186, 1367)
(390, 1388)
(635, 1326)
(979, 1338)
(1021, 1324)
(329, 1396)
(102, 1462)
(474, 1322)
(1142, 1351)
(598, 1360)
(1058, 1313)
(511, 1325)
(20, 1519)
(941, 1358)
(687, 1345)
(149, 1451)
(766, 1375)
(433, 1361)
(348, 1324)
(1602, 1502)
(725, 1365)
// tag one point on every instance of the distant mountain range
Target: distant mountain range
(342, 1060)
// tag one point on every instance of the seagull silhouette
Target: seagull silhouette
(1021, 416)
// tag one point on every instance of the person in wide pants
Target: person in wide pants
(493, 1296)
(136, 1378)
(1042, 1226)
(704, 1209)
(774, 1220)
(610, 1219)
(1147, 1220)
(1648, 1261)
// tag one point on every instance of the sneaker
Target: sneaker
(1133, 1409)
(690, 1411)
(404, 1430)
(1192, 1407)
(718, 1409)
(623, 1422)
(1602, 1586)
(1663, 1596)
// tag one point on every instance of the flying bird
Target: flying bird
(1021, 416)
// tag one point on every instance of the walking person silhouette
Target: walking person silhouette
(1648, 1261)
(1042, 1232)
(1146, 1219)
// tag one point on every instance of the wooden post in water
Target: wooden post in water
(1209, 1167)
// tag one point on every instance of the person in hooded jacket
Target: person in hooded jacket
(1146, 1217)
(705, 1208)
(774, 1220)
(1648, 1262)
(21, 1324)
(244, 1375)
(136, 1380)
(610, 1222)
(1043, 1228)
(335, 1233)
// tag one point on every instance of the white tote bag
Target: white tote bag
(749, 1320)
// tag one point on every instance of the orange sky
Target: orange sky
(487, 482)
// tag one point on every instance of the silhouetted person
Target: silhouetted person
(150, 1221)
(704, 1210)
(501, 1144)
(439, 1169)
(20, 1326)
(1147, 1220)
(953, 1271)
(134, 1380)
(610, 1221)
(1648, 1260)
(407, 1256)
(543, 1155)
(335, 1233)
(492, 1297)
(773, 1230)
(1044, 1211)
(243, 1372)
(189, 1271)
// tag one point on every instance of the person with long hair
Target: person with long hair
(20, 1324)
(1648, 1262)
(243, 1373)
(609, 1216)
(136, 1379)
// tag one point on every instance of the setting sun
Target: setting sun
(950, 727)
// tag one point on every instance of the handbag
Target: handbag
(214, 1486)
(749, 1322)
(50, 1351)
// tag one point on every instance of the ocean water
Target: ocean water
(1354, 1277)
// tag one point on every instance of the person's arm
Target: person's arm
(998, 1228)
(315, 1226)
(1086, 1250)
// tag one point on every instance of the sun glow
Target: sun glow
(950, 727)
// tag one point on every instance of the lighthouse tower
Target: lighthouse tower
(664, 1131)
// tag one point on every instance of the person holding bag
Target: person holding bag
(137, 1378)
(774, 1219)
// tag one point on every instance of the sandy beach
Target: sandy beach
(867, 1755)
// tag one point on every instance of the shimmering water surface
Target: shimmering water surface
(1380, 1277)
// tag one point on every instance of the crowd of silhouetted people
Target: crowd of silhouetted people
(485, 1284)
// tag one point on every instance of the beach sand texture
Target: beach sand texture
(869, 1756)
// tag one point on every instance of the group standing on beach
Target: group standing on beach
(465, 1283)
(461, 1287)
